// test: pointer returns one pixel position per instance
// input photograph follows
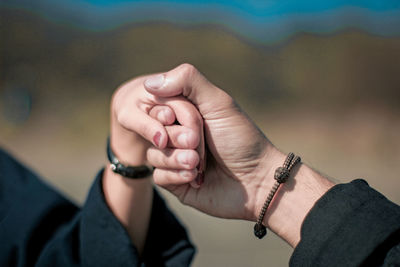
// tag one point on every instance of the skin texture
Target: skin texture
(241, 161)
(239, 167)
(136, 118)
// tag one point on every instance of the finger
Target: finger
(182, 137)
(164, 177)
(173, 158)
(186, 80)
(188, 116)
(164, 114)
(141, 123)
(186, 113)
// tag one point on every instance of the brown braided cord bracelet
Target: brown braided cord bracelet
(281, 176)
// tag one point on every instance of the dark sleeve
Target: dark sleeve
(351, 225)
(39, 227)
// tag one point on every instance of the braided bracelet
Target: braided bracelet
(281, 176)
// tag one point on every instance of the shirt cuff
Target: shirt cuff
(346, 226)
(167, 242)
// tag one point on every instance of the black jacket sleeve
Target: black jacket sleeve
(39, 227)
(351, 225)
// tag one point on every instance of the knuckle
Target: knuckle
(169, 115)
(153, 112)
(165, 160)
(189, 70)
(230, 102)
(145, 130)
(165, 115)
(156, 176)
(150, 155)
(190, 76)
(193, 140)
(122, 117)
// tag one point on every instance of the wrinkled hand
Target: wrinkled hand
(236, 165)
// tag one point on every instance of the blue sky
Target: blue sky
(266, 21)
(265, 7)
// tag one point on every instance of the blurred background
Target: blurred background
(320, 78)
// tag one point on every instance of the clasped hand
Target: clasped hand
(165, 115)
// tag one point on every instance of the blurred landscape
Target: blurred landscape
(333, 99)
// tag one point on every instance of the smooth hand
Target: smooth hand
(140, 120)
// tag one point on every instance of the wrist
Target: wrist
(293, 200)
(272, 159)
(130, 200)
(128, 146)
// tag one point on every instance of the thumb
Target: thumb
(186, 80)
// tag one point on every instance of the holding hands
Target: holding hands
(160, 119)
(237, 148)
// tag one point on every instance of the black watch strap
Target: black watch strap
(132, 172)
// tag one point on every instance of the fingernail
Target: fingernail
(155, 81)
(183, 139)
(183, 158)
(186, 174)
(157, 138)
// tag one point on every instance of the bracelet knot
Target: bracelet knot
(260, 230)
(281, 174)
